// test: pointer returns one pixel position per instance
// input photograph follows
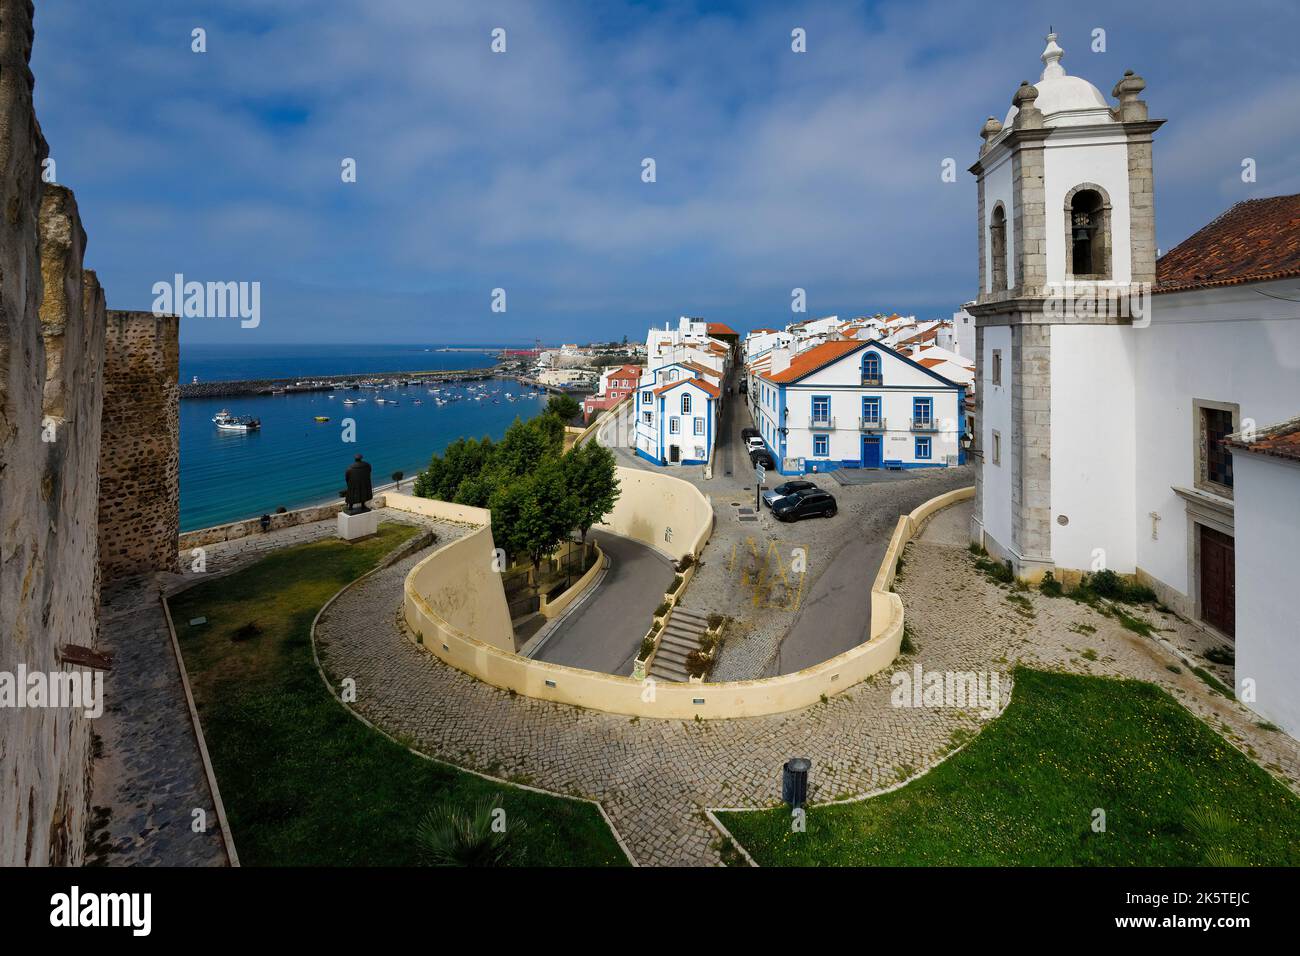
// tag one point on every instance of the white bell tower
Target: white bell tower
(1066, 239)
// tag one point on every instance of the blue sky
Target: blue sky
(522, 170)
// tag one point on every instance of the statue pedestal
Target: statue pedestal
(363, 525)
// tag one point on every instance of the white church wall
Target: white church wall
(1268, 580)
(1093, 447)
(1224, 345)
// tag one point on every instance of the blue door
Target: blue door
(870, 451)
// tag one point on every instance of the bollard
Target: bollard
(794, 781)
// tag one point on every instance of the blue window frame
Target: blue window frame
(699, 426)
(871, 408)
(923, 409)
(923, 449)
(821, 446)
(821, 408)
(871, 367)
(686, 403)
(674, 425)
(646, 397)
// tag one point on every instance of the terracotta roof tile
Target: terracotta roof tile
(720, 328)
(707, 386)
(1255, 240)
(1277, 441)
(805, 363)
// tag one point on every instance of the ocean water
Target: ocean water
(227, 363)
(295, 461)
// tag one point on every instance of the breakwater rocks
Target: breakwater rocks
(329, 383)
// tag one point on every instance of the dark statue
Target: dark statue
(358, 490)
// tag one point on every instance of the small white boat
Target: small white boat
(227, 422)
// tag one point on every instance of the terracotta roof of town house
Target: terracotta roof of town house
(819, 356)
(720, 328)
(759, 331)
(1255, 240)
(707, 386)
(697, 367)
(932, 362)
(1277, 441)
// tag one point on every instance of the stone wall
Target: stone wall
(51, 359)
(139, 463)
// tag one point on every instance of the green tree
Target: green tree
(563, 407)
(534, 513)
(592, 480)
(525, 444)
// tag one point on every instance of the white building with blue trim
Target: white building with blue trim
(677, 413)
(851, 404)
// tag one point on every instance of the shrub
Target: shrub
(647, 647)
(1050, 586)
(686, 561)
(716, 621)
(1220, 655)
(1107, 584)
(662, 609)
(449, 836)
(677, 582)
(997, 570)
(698, 664)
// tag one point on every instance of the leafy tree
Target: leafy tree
(592, 480)
(525, 444)
(563, 407)
(533, 513)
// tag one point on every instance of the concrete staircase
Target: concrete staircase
(681, 636)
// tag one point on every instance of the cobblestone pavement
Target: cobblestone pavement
(655, 776)
(148, 773)
(147, 770)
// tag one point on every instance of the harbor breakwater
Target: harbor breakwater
(273, 386)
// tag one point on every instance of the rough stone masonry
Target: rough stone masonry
(53, 371)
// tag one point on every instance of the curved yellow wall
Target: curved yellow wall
(465, 631)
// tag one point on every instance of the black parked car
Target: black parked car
(789, 488)
(762, 457)
(809, 503)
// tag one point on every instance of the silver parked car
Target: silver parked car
(782, 491)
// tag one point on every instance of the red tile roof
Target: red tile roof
(1255, 240)
(1277, 441)
(805, 363)
(932, 362)
(707, 386)
(720, 328)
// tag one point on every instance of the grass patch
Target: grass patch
(1215, 684)
(998, 571)
(1023, 793)
(304, 782)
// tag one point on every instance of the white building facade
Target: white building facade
(850, 404)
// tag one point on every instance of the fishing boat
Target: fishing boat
(349, 401)
(227, 422)
(322, 418)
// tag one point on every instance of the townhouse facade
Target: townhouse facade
(852, 404)
(676, 415)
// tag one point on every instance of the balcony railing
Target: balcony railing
(873, 380)
(925, 425)
(875, 424)
(823, 421)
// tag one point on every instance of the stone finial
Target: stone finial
(1051, 57)
(1028, 116)
(1131, 109)
(989, 131)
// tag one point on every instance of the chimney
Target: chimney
(780, 359)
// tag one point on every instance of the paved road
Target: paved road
(604, 632)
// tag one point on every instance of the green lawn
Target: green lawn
(305, 782)
(1024, 791)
